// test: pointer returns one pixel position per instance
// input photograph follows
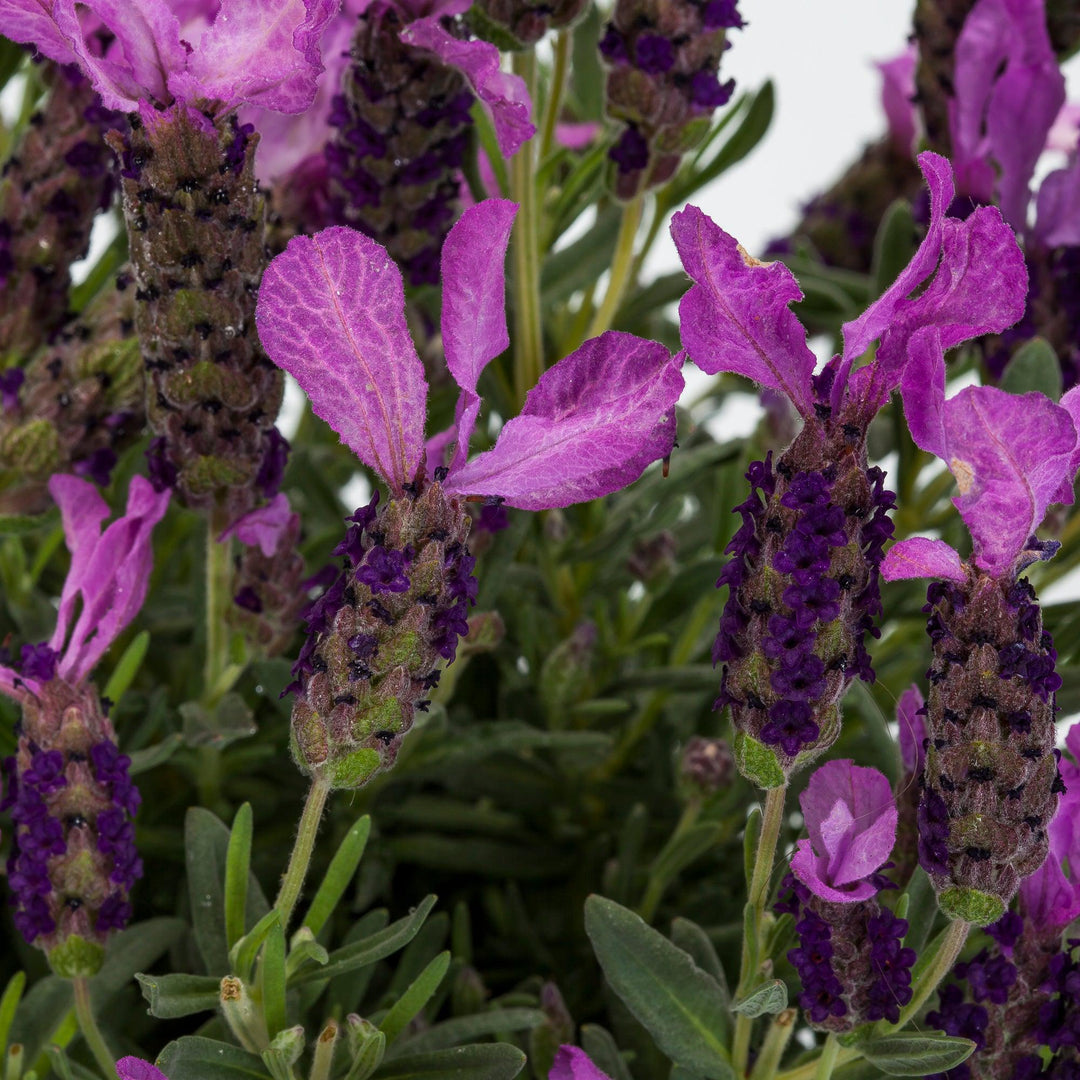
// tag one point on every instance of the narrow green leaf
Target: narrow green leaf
(135, 948)
(304, 948)
(915, 1053)
(272, 979)
(206, 843)
(339, 873)
(751, 839)
(922, 908)
(192, 1057)
(243, 953)
(693, 940)
(487, 1061)
(770, 998)
(597, 1042)
(1034, 366)
(463, 1028)
(8, 1004)
(679, 1004)
(345, 993)
(894, 245)
(396, 936)
(237, 869)
(415, 998)
(679, 852)
(150, 757)
(43, 1010)
(170, 996)
(127, 667)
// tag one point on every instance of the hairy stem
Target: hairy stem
(775, 1043)
(620, 267)
(941, 965)
(293, 880)
(84, 1011)
(555, 93)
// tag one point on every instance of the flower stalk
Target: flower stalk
(293, 880)
(84, 1011)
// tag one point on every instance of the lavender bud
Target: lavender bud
(706, 767)
(558, 1028)
(803, 593)
(565, 675)
(937, 25)
(850, 958)
(663, 83)
(991, 780)
(79, 402)
(403, 129)
(380, 634)
(195, 228)
(520, 24)
(58, 178)
(73, 858)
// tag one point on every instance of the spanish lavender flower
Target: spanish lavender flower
(331, 312)
(803, 580)
(850, 958)
(73, 858)
(57, 179)
(193, 211)
(133, 1068)
(991, 777)
(572, 1063)
(75, 405)
(663, 83)
(268, 592)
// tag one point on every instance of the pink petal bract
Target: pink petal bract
(31, 22)
(897, 97)
(571, 1063)
(505, 96)
(262, 526)
(110, 571)
(474, 302)
(589, 427)
(133, 1068)
(331, 312)
(736, 315)
(920, 557)
(851, 817)
(911, 726)
(260, 52)
(1057, 216)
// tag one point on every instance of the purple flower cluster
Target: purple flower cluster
(664, 75)
(860, 973)
(959, 1017)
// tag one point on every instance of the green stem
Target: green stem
(528, 333)
(941, 965)
(827, 1062)
(757, 893)
(775, 1043)
(808, 1070)
(553, 106)
(620, 267)
(293, 880)
(218, 572)
(84, 1011)
(656, 886)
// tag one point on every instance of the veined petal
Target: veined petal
(110, 575)
(812, 871)
(331, 312)
(137, 65)
(259, 52)
(474, 302)
(921, 557)
(262, 526)
(736, 316)
(589, 427)
(505, 96)
(572, 1063)
(31, 22)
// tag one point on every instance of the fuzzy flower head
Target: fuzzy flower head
(331, 312)
(969, 277)
(851, 817)
(160, 52)
(1012, 456)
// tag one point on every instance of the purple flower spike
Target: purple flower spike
(1011, 456)
(572, 1063)
(257, 52)
(133, 1068)
(851, 817)
(331, 312)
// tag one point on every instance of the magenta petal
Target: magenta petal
(505, 96)
(1057, 221)
(589, 427)
(812, 871)
(262, 526)
(110, 574)
(133, 1068)
(31, 22)
(851, 817)
(259, 52)
(474, 301)
(573, 1064)
(331, 312)
(1009, 454)
(736, 315)
(137, 65)
(919, 557)
(897, 97)
(911, 726)
(1048, 897)
(1070, 402)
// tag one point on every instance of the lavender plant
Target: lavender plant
(417, 677)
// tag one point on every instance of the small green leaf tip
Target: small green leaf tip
(757, 762)
(971, 905)
(76, 958)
